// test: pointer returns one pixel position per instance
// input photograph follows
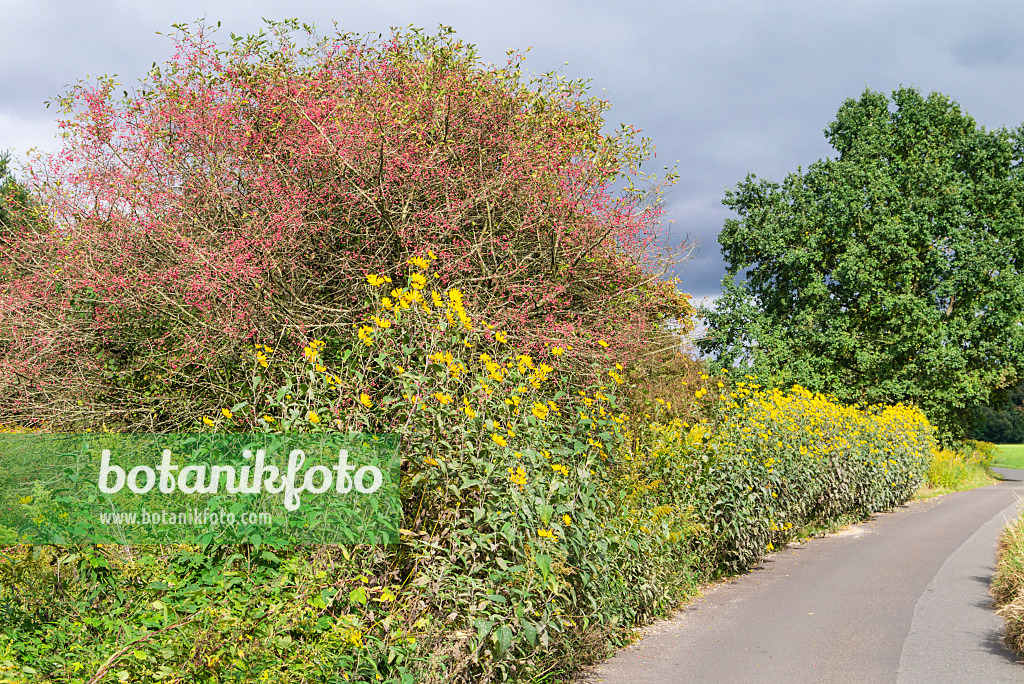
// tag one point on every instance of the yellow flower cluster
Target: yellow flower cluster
(765, 428)
(261, 354)
(312, 350)
(495, 370)
(377, 280)
(455, 297)
(456, 368)
(779, 458)
(401, 299)
(366, 335)
(517, 476)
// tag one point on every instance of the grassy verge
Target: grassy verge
(1008, 584)
(1010, 456)
(958, 470)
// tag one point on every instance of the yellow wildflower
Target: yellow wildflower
(364, 335)
(517, 476)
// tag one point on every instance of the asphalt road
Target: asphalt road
(901, 598)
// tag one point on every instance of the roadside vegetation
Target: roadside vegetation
(968, 466)
(542, 519)
(1008, 584)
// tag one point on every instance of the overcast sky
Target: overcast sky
(723, 88)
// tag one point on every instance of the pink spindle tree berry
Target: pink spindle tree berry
(242, 194)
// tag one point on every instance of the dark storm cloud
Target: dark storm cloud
(725, 88)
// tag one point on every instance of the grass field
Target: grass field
(1010, 456)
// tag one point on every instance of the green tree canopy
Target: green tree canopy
(890, 273)
(1001, 423)
(16, 209)
(14, 199)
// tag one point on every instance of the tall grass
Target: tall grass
(1008, 584)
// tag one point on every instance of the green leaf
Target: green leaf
(358, 595)
(544, 563)
(503, 637)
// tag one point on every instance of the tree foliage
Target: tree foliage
(15, 203)
(889, 273)
(1001, 423)
(242, 195)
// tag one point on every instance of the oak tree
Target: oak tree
(892, 272)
